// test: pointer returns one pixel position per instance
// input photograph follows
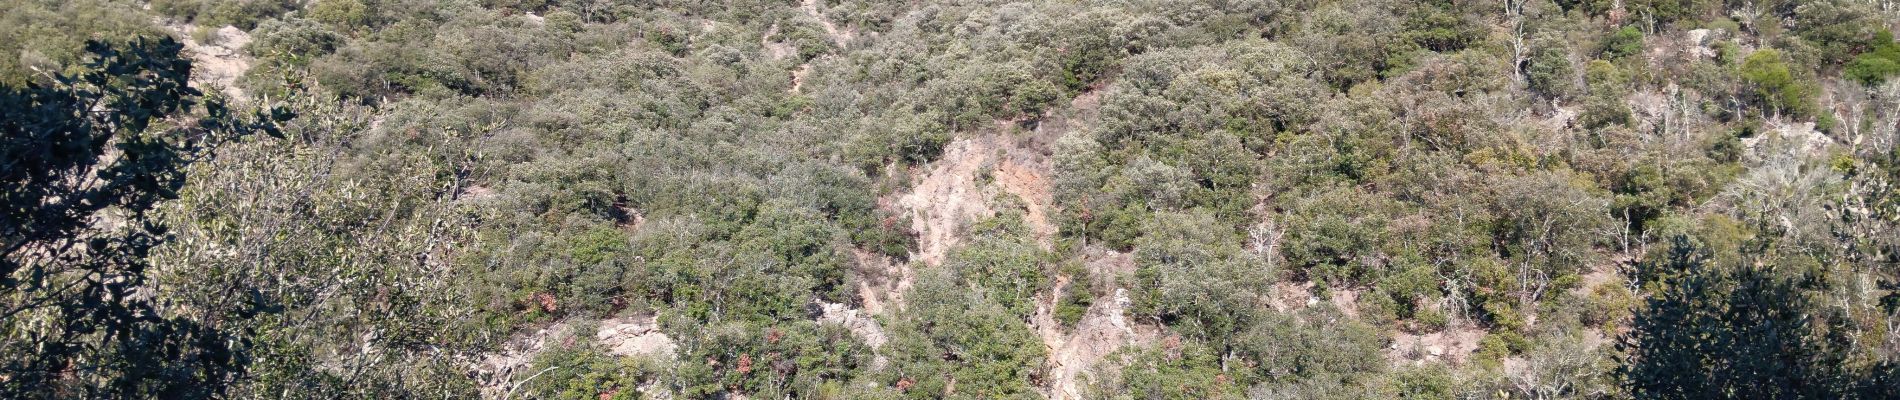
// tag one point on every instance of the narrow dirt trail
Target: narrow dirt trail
(1028, 179)
(774, 50)
(861, 324)
(840, 36)
(881, 281)
(962, 187)
(631, 336)
(947, 196)
(217, 64)
(798, 76)
(1103, 329)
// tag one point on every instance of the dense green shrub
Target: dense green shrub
(1190, 275)
(1550, 221)
(1298, 356)
(83, 313)
(1179, 370)
(244, 14)
(1623, 43)
(581, 373)
(1074, 305)
(904, 140)
(43, 38)
(1004, 264)
(1441, 30)
(296, 41)
(1337, 236)
(344, 15)
(950, 345)
(1875, 66)
(1837, 29)
(1671, 11)
(1605, 106)
(798, 359)
(1723, 327)
(1773, 86)
(1429, 382)
(1550, 72)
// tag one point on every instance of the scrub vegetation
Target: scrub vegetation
(830, 199)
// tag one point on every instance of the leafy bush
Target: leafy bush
(244, 14)
(1623, 43)
(1003, 265)
(1605, 106)
(1441, 31)
(111, 142)
(1773, 86)
(1550, 72)
(1174, 370)
(1073, 306)
(1189, 275)
(1837, 29)
(951, 345)
(43, 38)
(797, 359)
(1334, 357)
(1874, 67)
(1337, 236)
(296, 41)
(1718, 326)
(580, 373)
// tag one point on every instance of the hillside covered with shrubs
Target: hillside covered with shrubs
(847, 199)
